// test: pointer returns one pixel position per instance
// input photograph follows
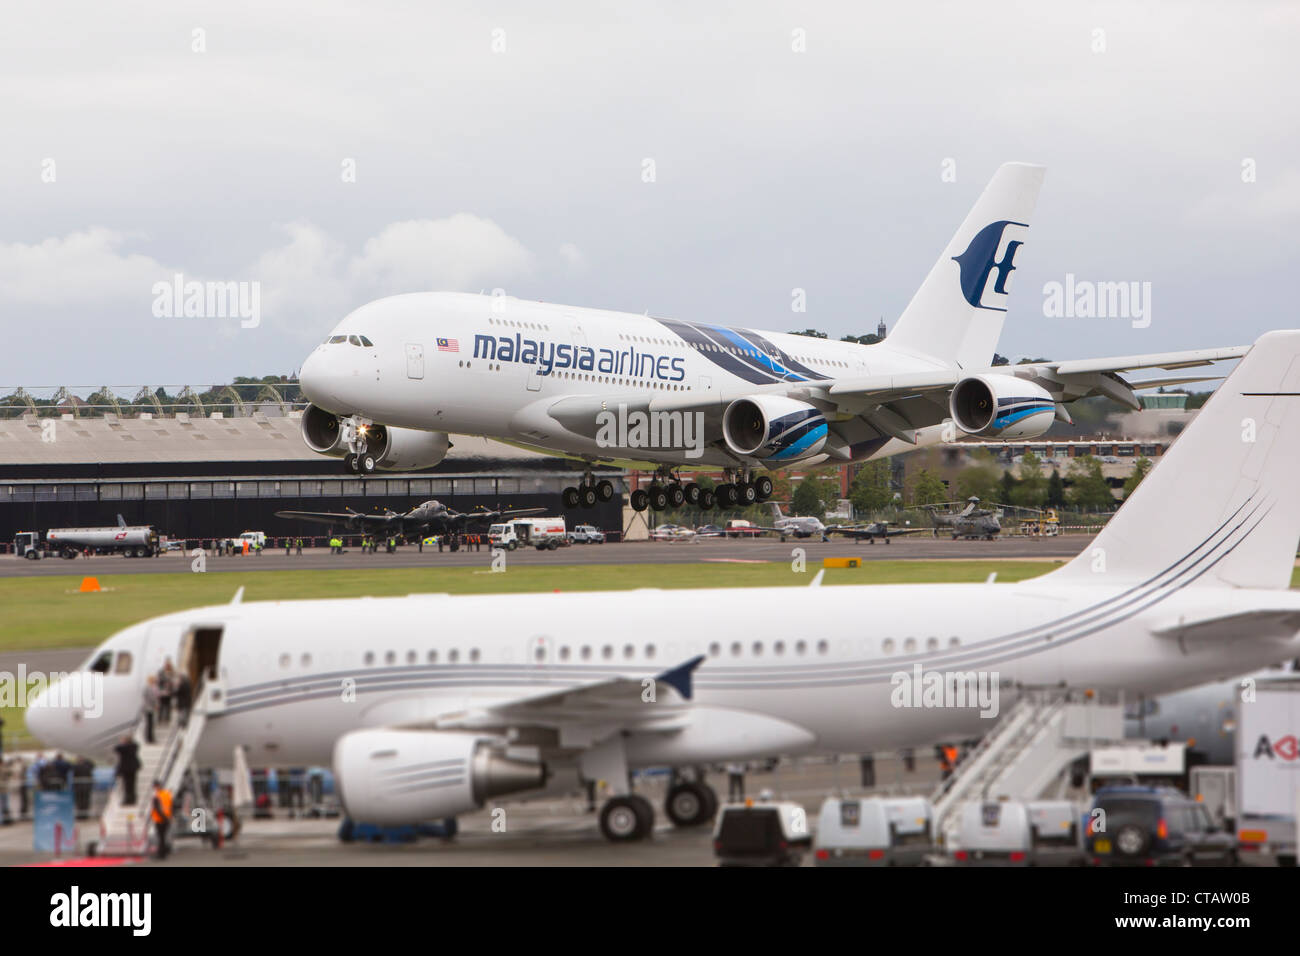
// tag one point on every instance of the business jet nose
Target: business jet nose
(49, 722)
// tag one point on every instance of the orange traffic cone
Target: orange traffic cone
(90, 584)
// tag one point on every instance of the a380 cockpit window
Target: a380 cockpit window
(336, 339)
(102, 663)
(367, 343)
(354, 340)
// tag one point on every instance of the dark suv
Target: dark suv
(1154, 826)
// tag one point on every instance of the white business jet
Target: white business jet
(397, 375)
(429, 706)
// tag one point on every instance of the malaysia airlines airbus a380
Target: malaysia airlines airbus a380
(428, 706)
(397, 375)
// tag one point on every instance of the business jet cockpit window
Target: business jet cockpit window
(102, 663)
(123, 665)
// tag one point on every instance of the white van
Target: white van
(255, 539)
(993, 833)
(912, 823)
(1056, 833)
(853, 832)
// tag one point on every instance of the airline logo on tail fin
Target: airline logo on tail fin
(980, 261)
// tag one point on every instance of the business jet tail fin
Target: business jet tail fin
(1220, 506)
(956, 315)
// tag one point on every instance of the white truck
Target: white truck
(544, 534)
(135, 541)
(1268, 772)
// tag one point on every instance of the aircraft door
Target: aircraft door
(534, 379)
(414, 360)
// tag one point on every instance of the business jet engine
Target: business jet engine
(393, 449)
(1001, 405)
(406, 776)
(773, 427)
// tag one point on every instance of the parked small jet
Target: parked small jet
(870, 532)
(971, 522)
(428, 518)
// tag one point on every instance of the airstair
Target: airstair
(1028, 752)
(124, 830)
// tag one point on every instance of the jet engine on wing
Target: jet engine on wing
(322, 432)
(773, 427)
(406, 449)
(1002, 405)
(393, 449)
(406, 776)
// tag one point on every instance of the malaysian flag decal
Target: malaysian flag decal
(448, 345)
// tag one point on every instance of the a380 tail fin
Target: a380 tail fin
(1220, 507)
(956, 314)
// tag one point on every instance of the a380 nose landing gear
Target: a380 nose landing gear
(356, 431)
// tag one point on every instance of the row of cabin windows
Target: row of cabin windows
(607, 652)
(602, 379)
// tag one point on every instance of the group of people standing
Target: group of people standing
(167, 689)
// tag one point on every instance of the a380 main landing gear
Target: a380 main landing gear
(589, 493)
(667, 491)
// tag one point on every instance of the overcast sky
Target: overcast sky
(522, 168)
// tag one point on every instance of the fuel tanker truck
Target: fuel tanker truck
(135, 541)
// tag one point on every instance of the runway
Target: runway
(918, 548)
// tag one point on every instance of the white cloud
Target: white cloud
(79, 268)
(457, 253)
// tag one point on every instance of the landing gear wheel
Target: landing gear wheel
(688, 804)
(746, 493)
(587, 496)
(707, 500)
(763, 485)
(366, 464)
(658, 498)
(627, 818)
(350, 463)
(692, 493)
(676, 496)
(605, 490)
(640, 500)
(570, 497)
(726, 496)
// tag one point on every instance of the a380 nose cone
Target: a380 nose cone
(312, 379)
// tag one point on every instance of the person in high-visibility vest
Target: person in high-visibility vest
(160, 812)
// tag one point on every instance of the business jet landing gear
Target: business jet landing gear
(690, 804)
(587, 494)
(626, 816)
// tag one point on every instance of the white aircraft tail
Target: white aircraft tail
(1220, 507)
(956, 314)
(776, 509)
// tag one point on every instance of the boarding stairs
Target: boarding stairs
(124, 830)
(1029, 750)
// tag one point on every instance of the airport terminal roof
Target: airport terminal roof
(184, 438)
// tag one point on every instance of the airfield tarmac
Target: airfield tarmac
(921, 547)
(551, 832)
